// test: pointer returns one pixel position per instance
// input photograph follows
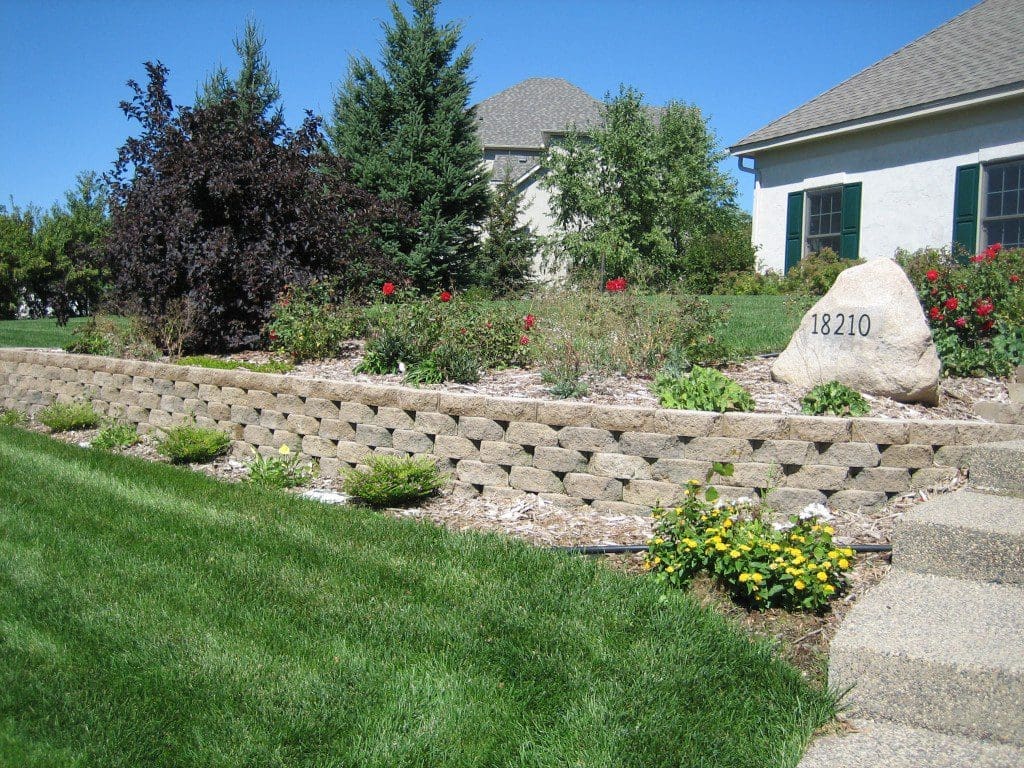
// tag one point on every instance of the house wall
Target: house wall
(907, 171)
(610, 459)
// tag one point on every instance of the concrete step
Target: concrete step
(935, 652)
(998, 467)
(966, 535)
(871, 744)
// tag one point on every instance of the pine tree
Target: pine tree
(509, 247)
(410, 136)
(256, 89)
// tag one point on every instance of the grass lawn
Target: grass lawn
(36, 333)
(152, 616)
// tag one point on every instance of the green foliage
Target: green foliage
(112, 336)
(68, 417)
(116, 435)
(12, 417)
(564, 373)
(281, 471)
(816, 272)
(702, 389)
(204, 361)
(395, 480)
(410, 136)
(796, 566)
(975, 308)
(631, 197)
(834, 398)
(255, 89)
(189, 444)
(312, 323)
(750, 283)
(17, 226)
(509, 248)
(711, 258)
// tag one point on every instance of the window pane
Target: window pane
(993, 204)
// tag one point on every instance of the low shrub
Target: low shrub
(68, 417)
(281, 471)
(814, 274)
(189, 444)
(113, 336)
(205, 361)
(750, 283)
(312, 324)
(834, 398)
(394, 480)
(564, 374)
(702, 389)
(12, 417)
(116, 435)
(975, 309)
(795, 565)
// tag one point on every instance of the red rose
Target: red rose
(446, 296)
(529, 321)
(387, 289)
(992, 250)
(985, 307)
(524, 340)
(1014, 278)
(978, 259)
(935, 313)
(952, 303)
(960, 322)
(616, 285)
(987, 325)
(932, 275)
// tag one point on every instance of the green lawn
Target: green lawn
(36, 333)
(152, 616)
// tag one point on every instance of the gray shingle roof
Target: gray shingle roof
(981, 50)
(519, 116)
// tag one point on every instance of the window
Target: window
(824, 225)
(1003, 205)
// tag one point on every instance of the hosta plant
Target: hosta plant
(834, 398)
(702, 389)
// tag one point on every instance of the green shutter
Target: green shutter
(849, 238)
(965, 209)
(794, 229)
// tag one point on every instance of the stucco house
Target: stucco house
(923, 149)
(516, 127)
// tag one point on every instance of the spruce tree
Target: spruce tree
(410, 136)
(256, 89)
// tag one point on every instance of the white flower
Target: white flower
(744, 500)
(819, 511)
(782, 526)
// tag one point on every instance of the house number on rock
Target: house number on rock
(840, 324)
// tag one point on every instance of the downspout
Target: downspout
(756, 172)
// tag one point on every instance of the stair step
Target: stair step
(935, 652)
(879, 743)
(965, 535)
(998, 467)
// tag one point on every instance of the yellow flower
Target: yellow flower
(833, 554)
(799, 584)
(744, 577)
(690, 543)
(734, 553)
(757, 577)
(284, 450)
(721, 546)
(727, 523)
(646, 565)
(844, 563)
(679, 510)
(745, 547)
(847, 552)
(670, 569)
(659, 540)
(828, 589)
(774, 547)
(829, 529)
(822, 576)
(656, 560)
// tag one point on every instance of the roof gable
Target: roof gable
(981, 51)
(520, 116)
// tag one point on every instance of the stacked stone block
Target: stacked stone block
(609, 458)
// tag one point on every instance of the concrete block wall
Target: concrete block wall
(612, 459)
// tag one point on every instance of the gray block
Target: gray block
(998, 466)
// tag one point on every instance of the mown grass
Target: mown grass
(44, 333)
(152, 616)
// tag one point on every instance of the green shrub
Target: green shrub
(113, 336)
(12, 417)
(702, 389)
(67, 417)
(311, 324)
(564, 374)
(708, 257)
(814, 274)
(750, 283)
(836, 399)
(394, 480)
(796, 566)
(189, 444)
(205, 361)
(116, 435)
(282, 471)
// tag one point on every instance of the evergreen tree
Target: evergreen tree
(508, 249)
(255, 89)
(410, 136)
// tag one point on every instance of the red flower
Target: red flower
(935, 313)
(446, 296)
(524, 340)
(616, 285)
(985, 307)
(992, 250)
(273, 335)
(987, 325)
(932, 275)
(978, 259)
(285, 302)
(952, 303)
(387, 289)
(529, 321)
(1014, 278)
(960, 322)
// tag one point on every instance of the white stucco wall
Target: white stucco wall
(907, 171)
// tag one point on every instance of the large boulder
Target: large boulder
(868, 332)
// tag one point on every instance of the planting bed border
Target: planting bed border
(616, 459)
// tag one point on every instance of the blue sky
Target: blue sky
(63, 65)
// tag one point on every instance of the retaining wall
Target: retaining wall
(615, 459)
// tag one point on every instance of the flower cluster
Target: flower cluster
(615, 285)
(794, 565)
